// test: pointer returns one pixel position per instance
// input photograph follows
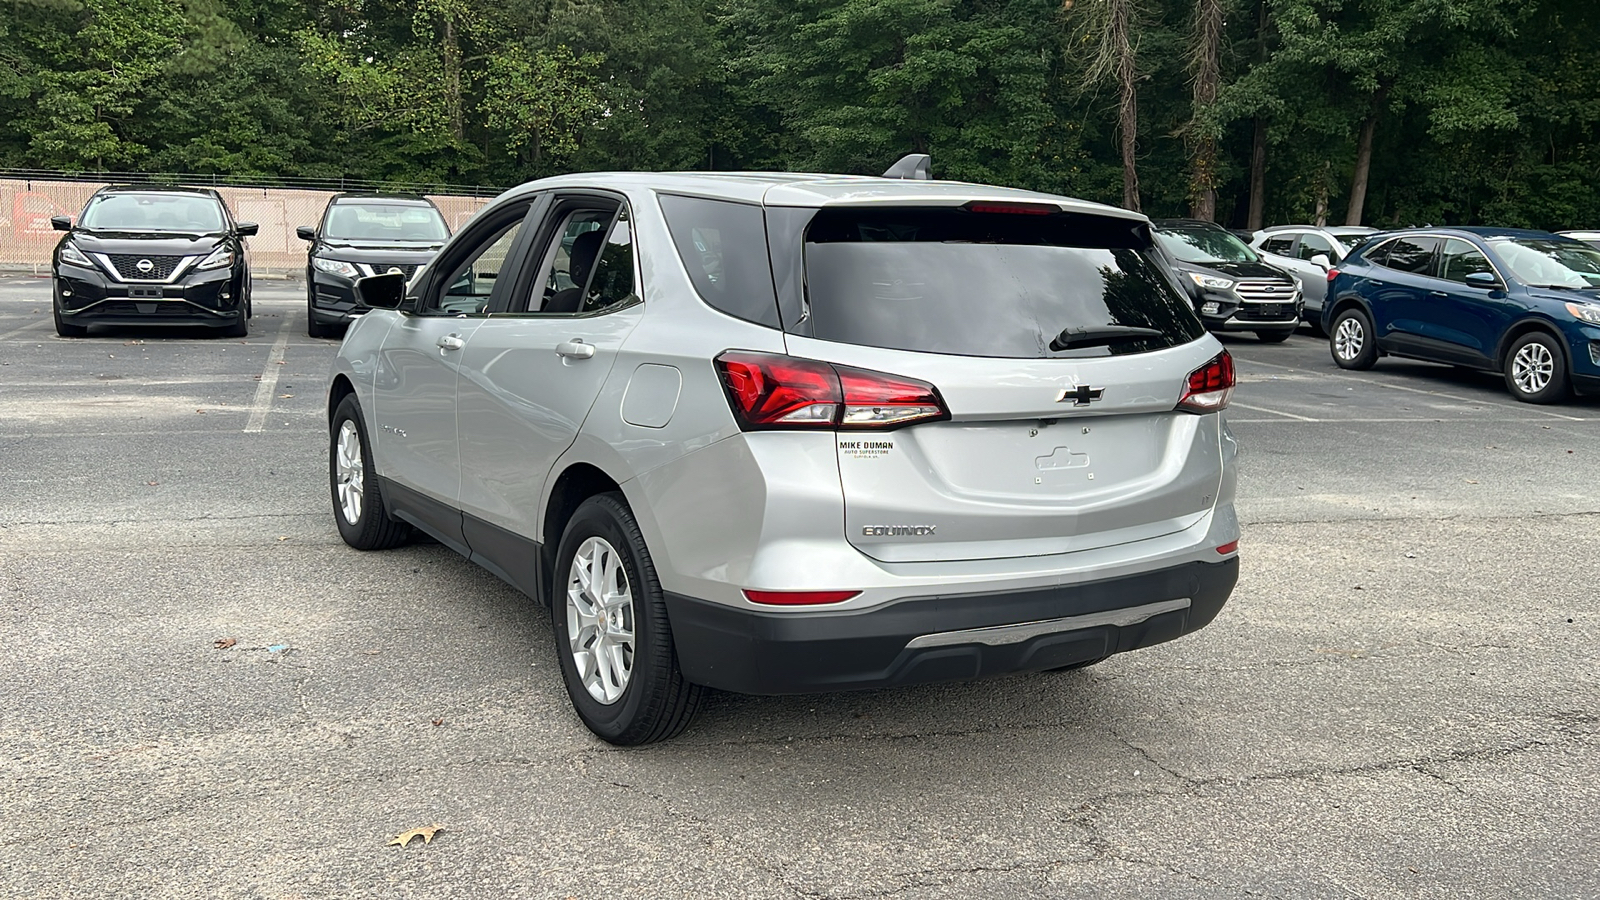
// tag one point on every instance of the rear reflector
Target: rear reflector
(1210, 387)
(767, 390)
(1013, 209)
(1229, 547)
(798, 598)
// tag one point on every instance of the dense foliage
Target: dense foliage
(1388, 111)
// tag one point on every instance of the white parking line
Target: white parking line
(1520, 407)
(5, 336)
(262, 404)
(1274, 412)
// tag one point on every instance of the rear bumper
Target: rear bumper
(931, 639)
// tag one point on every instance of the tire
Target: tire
(358, 508)
(638, 696)
(1273, 337)
(317, 329)
(1351, 341)
(66, 330)
(1536, 369)
(239, 329)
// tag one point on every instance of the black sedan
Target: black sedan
(152, 256)
(361, 235)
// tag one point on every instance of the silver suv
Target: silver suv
(778, 433)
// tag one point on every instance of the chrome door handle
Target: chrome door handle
(451, 342)
(1437, 294)
(575, 349)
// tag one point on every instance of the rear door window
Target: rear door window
(1411, 254)
(990, 284)
(1282, 244)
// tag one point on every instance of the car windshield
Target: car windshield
(990, 284)
(191, 213)
(1548, 263)
(1205, 245)
(385, 222)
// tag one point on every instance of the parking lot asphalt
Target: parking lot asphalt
(1401, 699)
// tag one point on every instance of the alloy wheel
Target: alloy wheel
(1348, 339)
(600, 620)
(350, 471)
(1533, 367)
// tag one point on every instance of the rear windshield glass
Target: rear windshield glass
(990, 284)
(194, 213)
(384, 222)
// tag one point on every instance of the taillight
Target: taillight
(1012, 207)
(1332, 274)
(1209, 387)
(767, 390)
(798, 598)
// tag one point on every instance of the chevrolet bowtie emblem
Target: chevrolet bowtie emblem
(1082, 395)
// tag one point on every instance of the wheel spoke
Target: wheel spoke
(600, 620)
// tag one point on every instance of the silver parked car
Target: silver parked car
(778, 433)
(1308, 252)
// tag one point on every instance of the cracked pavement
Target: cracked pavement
(1401, 699)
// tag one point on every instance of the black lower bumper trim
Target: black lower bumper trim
(757, 652)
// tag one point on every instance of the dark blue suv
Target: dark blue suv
(1523, 303)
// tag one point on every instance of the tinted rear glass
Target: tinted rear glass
(988, 284)
(724, 248)
(1409, 254)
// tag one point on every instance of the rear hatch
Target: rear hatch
(1059, 349)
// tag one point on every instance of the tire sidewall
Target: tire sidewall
(606, 517)
(349, 409)
(1557, 388)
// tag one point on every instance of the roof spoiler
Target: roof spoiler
(915, 166)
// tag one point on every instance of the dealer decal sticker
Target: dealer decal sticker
(865, 449)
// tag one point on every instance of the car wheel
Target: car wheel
(611, 631)
(1351, 340)
(1536, 371)
(240, 328)
(1273, 337)
(313, 327)
(358, 507)
(67, 330)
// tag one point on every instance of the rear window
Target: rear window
(990, 284)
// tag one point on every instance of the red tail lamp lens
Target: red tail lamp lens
(1210, 387)
(798, 598)
(768, 390)
(1332, 274)
(1229, 547)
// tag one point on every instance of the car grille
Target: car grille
(1266, 312)
(383, 269)
(127, 266)
(1265, 291)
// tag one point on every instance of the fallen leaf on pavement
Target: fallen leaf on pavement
(287, 396)
(224, 643)
(426, 832)
(438, 722)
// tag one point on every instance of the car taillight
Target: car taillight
(798, 598)
(1012, 208)
(767, 390)
(1209, 387)
(1332, 274)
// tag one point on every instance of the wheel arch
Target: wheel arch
(1332, 308)
(577, 482)
(337, 391)
(1524, 327)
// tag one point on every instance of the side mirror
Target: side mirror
(305, 233)
(246, 229)
(385, 291)
(1484, 280)
(1321, 259)
(61, 223)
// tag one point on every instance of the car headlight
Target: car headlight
(336, 267)
(71, 254)
(1585, 312)
(216, 259)
(1211, 282)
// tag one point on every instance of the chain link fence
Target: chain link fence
(27, 201)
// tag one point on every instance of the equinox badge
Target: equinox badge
(896, 530)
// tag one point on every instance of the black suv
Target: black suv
(1232, 289)
(361, 235)
(152, 256)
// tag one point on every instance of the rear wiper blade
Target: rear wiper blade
(1100, 335)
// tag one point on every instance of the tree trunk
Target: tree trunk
(1121, 25)
(452, 76)
(1322, 197)
(1358, 184)
(1258, 177)
(1205, 64)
